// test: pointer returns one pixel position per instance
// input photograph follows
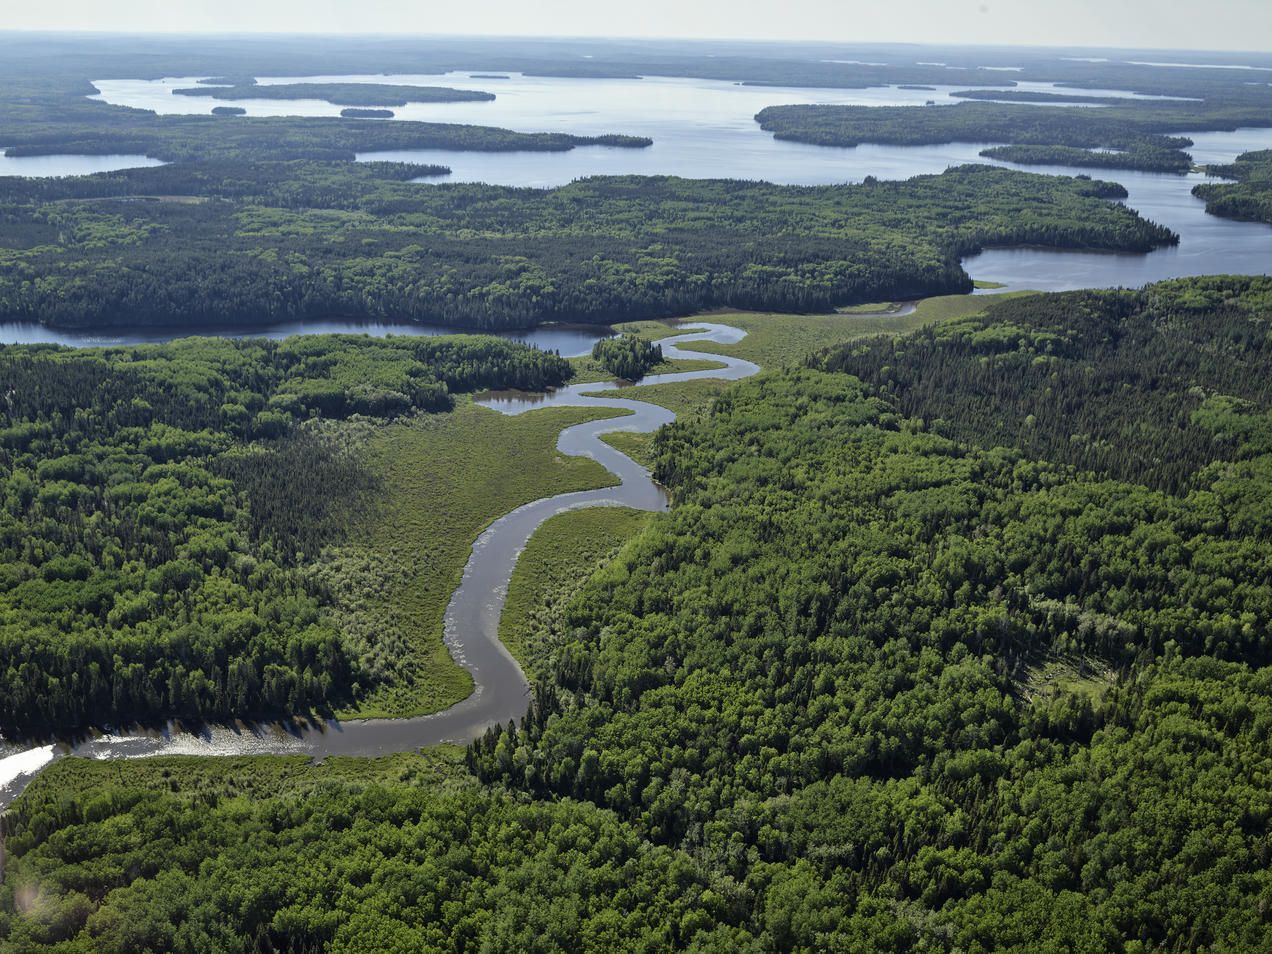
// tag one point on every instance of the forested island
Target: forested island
(197, 138)
(341, 94)
(355, 113)
(627, 357)
(950, 640)
(293, 240)
(1130, 135)
(1248, 198)
(1138, 156)
(1041, 96)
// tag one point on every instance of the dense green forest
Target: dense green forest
(918, 679)
(352, 856)
(1139, 156)
(1137, 135)
(158, 506)
(1052, 376)
(300, 240)
(1250, 197)
(341, 94)
(355, 113)
(188, 138)
(906, 668)
(628, 356)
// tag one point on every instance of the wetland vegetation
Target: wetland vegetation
(907, 663)
(955, 636)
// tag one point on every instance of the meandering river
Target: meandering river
(501, 691)
(700, 129)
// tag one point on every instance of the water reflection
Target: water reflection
(1209, 245)
(569, 340)
(47, 166)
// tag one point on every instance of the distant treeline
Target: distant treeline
(1139, 131)
(341, 94)
(184, 138)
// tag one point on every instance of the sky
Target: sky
(1161, 24)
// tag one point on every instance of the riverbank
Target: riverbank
(500, 690)
(454, 476)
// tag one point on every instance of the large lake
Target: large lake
(706, 129)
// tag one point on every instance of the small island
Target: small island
(342, 94)
(228, 111)
(489, 76)
(355, 112)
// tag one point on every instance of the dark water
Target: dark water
(472, 616)
(570, 340)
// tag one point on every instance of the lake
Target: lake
(700, 128)
(1208, 245)
(706, 129)
(45, 166)
(569, 340)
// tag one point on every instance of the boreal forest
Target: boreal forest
(948, 642)
(463, 495)
(253, 246)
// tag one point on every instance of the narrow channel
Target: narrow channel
(501, 691)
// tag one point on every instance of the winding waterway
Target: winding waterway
(701, 129)
(501, 692)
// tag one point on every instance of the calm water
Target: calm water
(704, 128)
(569, 341)
(701, 129)
(1209, 245)
(43, 166)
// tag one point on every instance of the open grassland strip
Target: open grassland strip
(445, 478)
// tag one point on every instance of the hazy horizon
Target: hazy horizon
(1092, 24)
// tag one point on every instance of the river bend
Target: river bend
(501, 691)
